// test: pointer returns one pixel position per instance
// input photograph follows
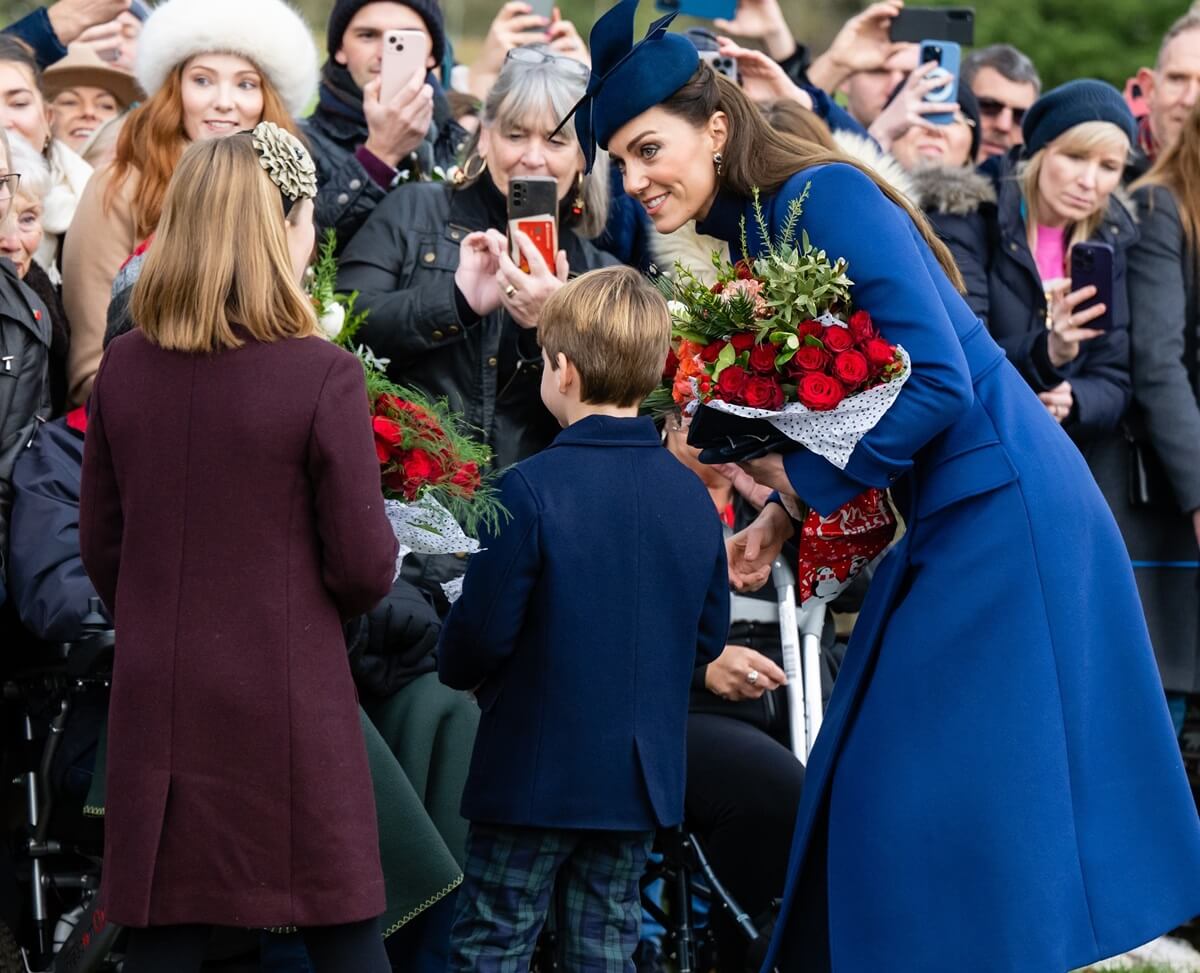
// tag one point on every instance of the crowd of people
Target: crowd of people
(121, 120)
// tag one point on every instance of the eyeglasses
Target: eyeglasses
(529, 55)
(991, 107)
(8, 190)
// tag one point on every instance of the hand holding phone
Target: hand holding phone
(947, 55)
(533, 209)
(1092, 266)
(405, 52)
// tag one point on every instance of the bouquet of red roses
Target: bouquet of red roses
(776, 347)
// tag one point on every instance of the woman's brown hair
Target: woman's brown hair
(220, 256)
(756, 156)
(1178, 170)
(152, 140)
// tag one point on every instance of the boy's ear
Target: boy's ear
(565, 370)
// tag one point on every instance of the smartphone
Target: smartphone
(533, 209)
(706, 9)
(1092, 263)
(913, 24)
(947, 54)
(405, 52)
(722, 64)
(543, 8)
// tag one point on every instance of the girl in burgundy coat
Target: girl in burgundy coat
(231, 518)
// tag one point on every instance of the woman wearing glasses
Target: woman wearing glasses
(449, 309)
(25, 336)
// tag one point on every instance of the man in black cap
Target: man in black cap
(362, 144)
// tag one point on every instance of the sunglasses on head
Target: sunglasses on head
(569, 65)
(991, 108)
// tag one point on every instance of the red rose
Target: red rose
(717, 288)
(852, 368)
(763, 393)
(810, 329)
(820, 392)
(837, 339)
(861, 326)
(388, 436)
(467, 477)
(762, 358)
(743, 270)
(420, 466)
(672, 364)
(710, 352)
(742, 341)
(731, 382)
(809, 358)
(879, 353)
(395, 481)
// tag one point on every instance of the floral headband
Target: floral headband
(287, 162)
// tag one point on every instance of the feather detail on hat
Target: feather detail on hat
(269, 33)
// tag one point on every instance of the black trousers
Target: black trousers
(356, 946)
(743, 790)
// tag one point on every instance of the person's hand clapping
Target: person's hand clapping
(909, 108)
(752, 551)
(1067, 326)
(729, 675)
(523, 294)
(763, 80)
(70, 18)
(863, 44)
(475, 278)
(516, 25)
(396, 127)
(761, 20)
(1058, 401)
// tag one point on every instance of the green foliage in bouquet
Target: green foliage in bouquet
(322, 291)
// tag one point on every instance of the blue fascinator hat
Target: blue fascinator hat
(628, 78)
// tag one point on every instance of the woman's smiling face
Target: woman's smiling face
(667, 165)
(221, 94)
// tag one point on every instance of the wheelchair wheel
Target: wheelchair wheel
(10, 952)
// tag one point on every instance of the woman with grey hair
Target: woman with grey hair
(447, 306)
(21, 239)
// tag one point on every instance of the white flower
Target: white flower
(332, 320)
(678, 310)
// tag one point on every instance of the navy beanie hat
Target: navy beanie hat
(344, 10)
(1071, 104)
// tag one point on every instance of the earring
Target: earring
(465, 175)
(718, 162)
(578, 204)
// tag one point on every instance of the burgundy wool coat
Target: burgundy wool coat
(231, 517)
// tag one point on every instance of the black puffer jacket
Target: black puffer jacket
(402, 265)
(347, 194)
(25, 337)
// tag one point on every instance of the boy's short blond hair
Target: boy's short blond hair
(614, 327)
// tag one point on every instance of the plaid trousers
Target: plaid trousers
(509, 880)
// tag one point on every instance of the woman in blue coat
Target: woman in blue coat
(996, 786)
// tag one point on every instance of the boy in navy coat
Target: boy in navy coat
(579, 627)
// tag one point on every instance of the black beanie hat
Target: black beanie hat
(1071, 104)
(344, 10)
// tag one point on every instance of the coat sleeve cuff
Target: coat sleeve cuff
(380, 172)
(1044, 372)
(825, 488)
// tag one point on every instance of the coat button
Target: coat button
(438, 336)
(356, 184)
(461, 555)
(455, 235)
(430, 257)
(1012, 247)
(492, 362)
(454, 329)
(343, 199)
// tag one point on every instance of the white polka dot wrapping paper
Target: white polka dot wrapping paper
(426, 527)
(834, 433)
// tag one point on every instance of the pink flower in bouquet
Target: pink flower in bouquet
(820, 392)
(731, 383)
(862, 328)
(879, 353)
(762, 358)
(762, 392)
(809, 358)
(748, 288)
(851, 368)
(837, 339)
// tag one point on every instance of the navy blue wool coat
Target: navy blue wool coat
(581, 622)
(997, 785)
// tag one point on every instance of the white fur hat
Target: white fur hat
(268, 32)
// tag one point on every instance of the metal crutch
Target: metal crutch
(800, 636)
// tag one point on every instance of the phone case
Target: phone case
(722, 64)
(533, 209)
(914, 24)
(404, 54)
(1092, 263)
(706, 9)
(947, 54)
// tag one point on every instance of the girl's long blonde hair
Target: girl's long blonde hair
(1178, 170)
(1082, 139)
(220, 257)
